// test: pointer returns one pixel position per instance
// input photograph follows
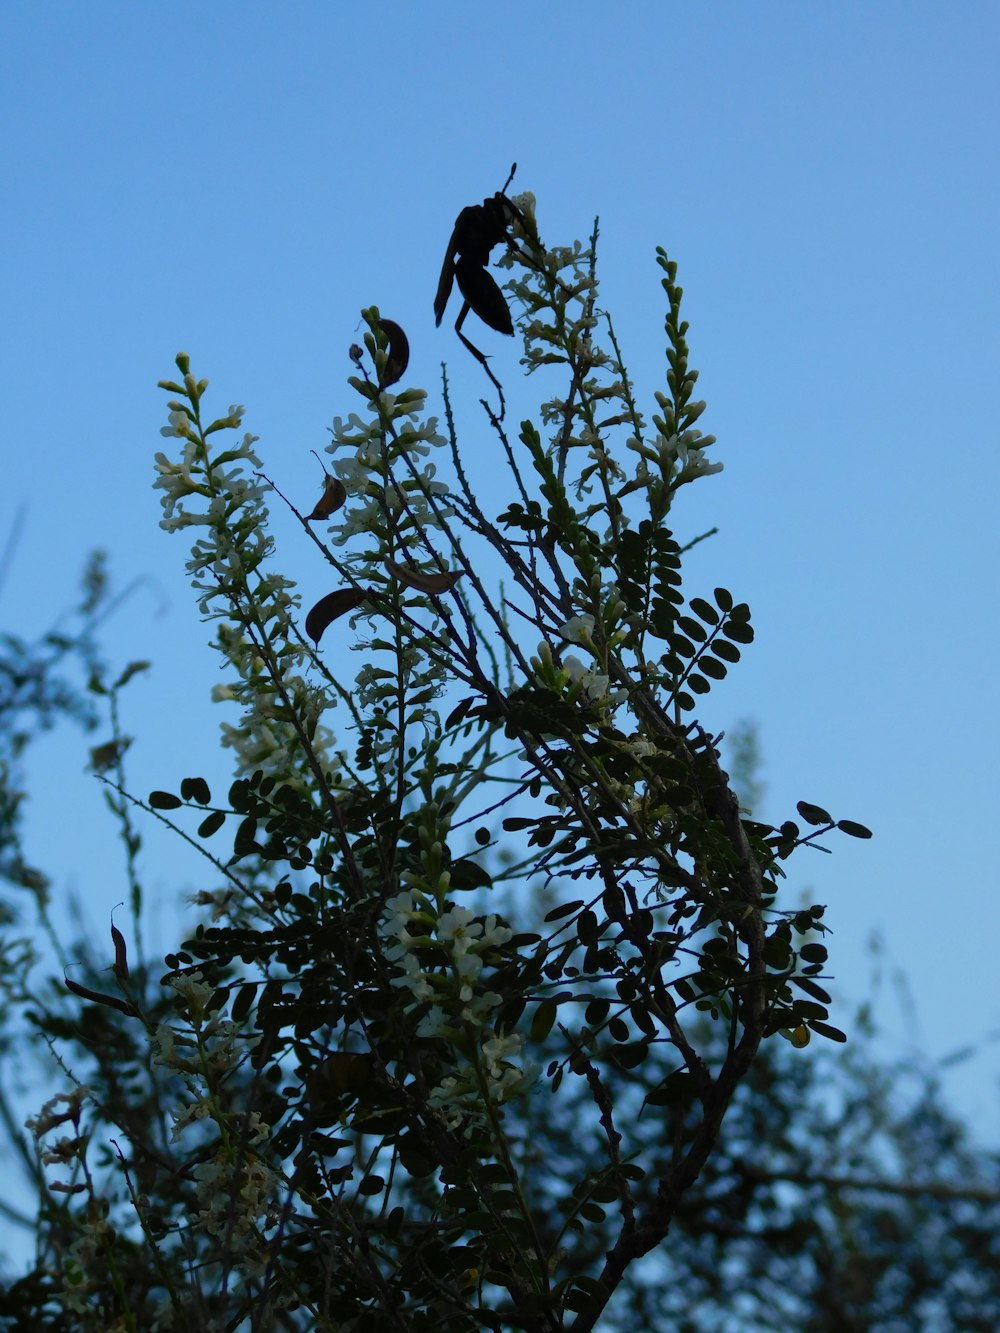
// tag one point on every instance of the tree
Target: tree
(518, 888)
(37, 690)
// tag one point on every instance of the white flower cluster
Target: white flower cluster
(263, 738)
(459, 940)
(236, 1190)
(578, 629)
(205, 1055)
(459, 1099)
(87, 1254)
(51, 1117)
(194, 476)
(590, 682)
(395, 500)
(376, 499)
(410, 665)
(558, 325)
(440, 959)
(238, 1193)
(679, 458)
(215, 493)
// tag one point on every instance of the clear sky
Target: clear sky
(238, 179)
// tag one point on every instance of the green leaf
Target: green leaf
(738, 630)
(243, 1002)
(717, 670)
(586, 927)
(825, 1030)
(677, 1087)
(704, 610)
(723, 599)
(131, 670)
(164, 800)
(565, 910)
(196, 789)
(466, 874)
(692, 628)
(211, 823)
(852, 829)
(813, 814)
(629, 1057)
(777, 951)
(811, 1012)
(723, 648)
(245, 841)
(544, 1017)
(813, 953)
(810, 988)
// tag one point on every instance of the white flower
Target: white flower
(639, 747)
(180, 424)
(193, 991)
(524, 203)
(468, 966)
(493, 935)
(414, 978)
(578, 629)
(458, 927)
(187, 1115)
(500, 1050)
(49, 1118)
(592, 683)
(685, 455)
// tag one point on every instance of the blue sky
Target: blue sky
(237, 180)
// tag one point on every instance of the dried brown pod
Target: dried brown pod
(330, 607)
(334, 495)
(120, 968)
(421, 580)
(399, 353)
(110, 1001)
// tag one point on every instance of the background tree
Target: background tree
(345, 1105)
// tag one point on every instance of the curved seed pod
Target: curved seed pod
(120, 968)
(334, 495)
(330, 607)
(111, 1001)
(399, 353)
(421, 580)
